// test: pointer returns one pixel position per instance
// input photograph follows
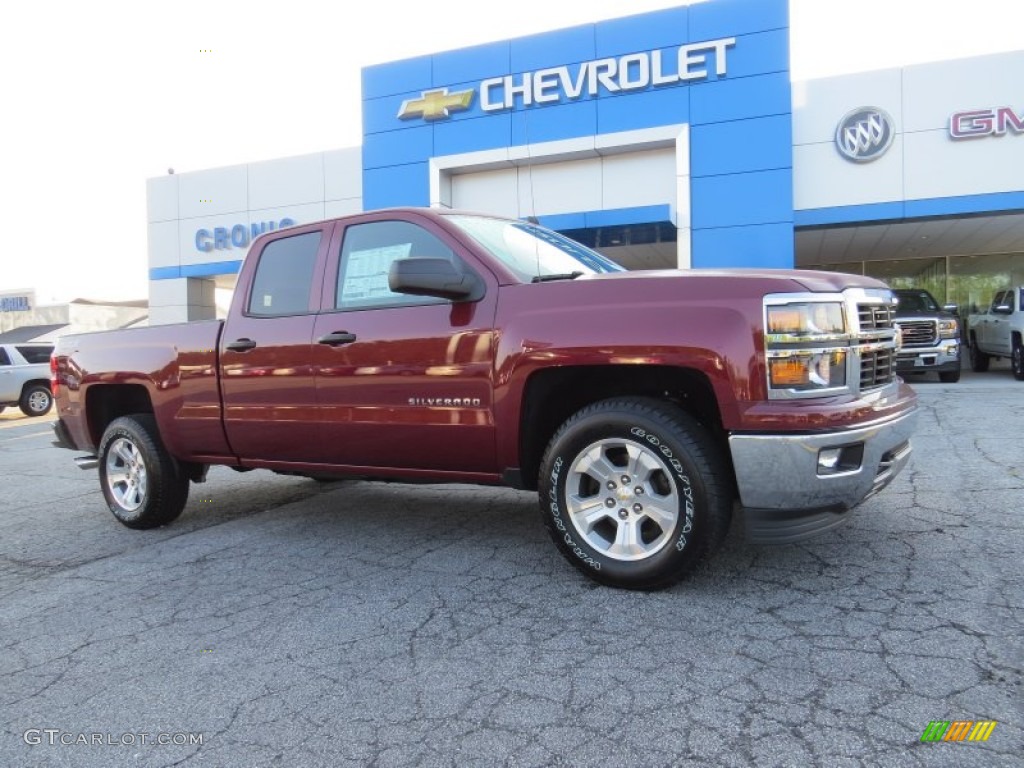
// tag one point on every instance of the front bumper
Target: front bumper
(788, 496)
(945, 356)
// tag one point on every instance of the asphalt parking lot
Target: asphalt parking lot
(282, 622)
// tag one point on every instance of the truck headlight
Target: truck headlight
(803, 320)
(949, 329)
(807, 345)
(807, 370)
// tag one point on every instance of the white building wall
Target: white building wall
(304, 189)
(924, 162)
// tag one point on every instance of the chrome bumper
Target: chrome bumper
(788, 495)
(946, 354)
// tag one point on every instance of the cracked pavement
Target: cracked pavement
(291, 622)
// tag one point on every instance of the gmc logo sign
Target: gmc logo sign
(985, 122)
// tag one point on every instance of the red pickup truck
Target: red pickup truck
(430, 345)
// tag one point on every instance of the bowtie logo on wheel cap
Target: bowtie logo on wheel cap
(436, 104)
(864, 134)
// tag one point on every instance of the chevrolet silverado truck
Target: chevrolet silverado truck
(25, 377)
(999, 332)
(930, 336)
(440, 346)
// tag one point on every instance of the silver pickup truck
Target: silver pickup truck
(25, 377)
(999, 332)
(930, 336)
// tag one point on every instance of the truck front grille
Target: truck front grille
(876, 344)
(919, 333)
(876, 368)
(875, 316)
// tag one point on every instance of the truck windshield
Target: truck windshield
(531, 251)
(915, 301)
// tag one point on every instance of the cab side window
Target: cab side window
(284, 276)
(4, 359)
(367, 253)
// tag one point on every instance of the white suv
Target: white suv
(25, 377)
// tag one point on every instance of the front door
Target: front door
(402, 381)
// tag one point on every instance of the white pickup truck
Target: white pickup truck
(25, 377)
(999, 332)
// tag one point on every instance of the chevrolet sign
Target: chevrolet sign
(632, 72)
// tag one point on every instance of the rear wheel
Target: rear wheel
(634, 493)
(36, 400)
(1017, 359)
(979, 360)
(143, 484)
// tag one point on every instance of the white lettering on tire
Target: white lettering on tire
(687, 486)
(556, 517)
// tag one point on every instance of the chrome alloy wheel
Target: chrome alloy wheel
(39, 401)
(126, 474)
(621, 499)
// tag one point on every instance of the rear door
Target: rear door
(402, 381)
(267, 379)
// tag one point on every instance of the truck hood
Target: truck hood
(775, 280)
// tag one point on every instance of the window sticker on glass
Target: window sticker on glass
(267, 300)
(366, 276)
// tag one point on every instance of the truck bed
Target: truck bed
(177, 364)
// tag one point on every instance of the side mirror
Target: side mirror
(951, 308)
(433, 277)
(1003, 309)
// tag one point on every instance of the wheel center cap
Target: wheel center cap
(624, 494)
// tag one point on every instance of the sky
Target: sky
(99, 96)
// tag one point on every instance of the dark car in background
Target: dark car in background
(930, 334)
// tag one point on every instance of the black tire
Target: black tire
(152, 496)
(1017, 359)
(949, 377)
(682, 471)
(979, 360)
(36, 400)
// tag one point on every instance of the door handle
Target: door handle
(240, 345)
(336, 338)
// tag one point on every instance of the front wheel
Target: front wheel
(634, 493)
(36, 400)
(979, 360)
(1017, 360)
(143, 485)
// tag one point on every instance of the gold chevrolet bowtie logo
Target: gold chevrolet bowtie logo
(436, 104)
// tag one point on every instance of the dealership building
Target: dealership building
(669, 139)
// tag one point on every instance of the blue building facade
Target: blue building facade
(716, 71)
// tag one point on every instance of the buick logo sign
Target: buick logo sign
(864, 134)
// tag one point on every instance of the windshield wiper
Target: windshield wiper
(559, 276)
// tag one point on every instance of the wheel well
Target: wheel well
(107, 402)
(553, 395)
(34, 382)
